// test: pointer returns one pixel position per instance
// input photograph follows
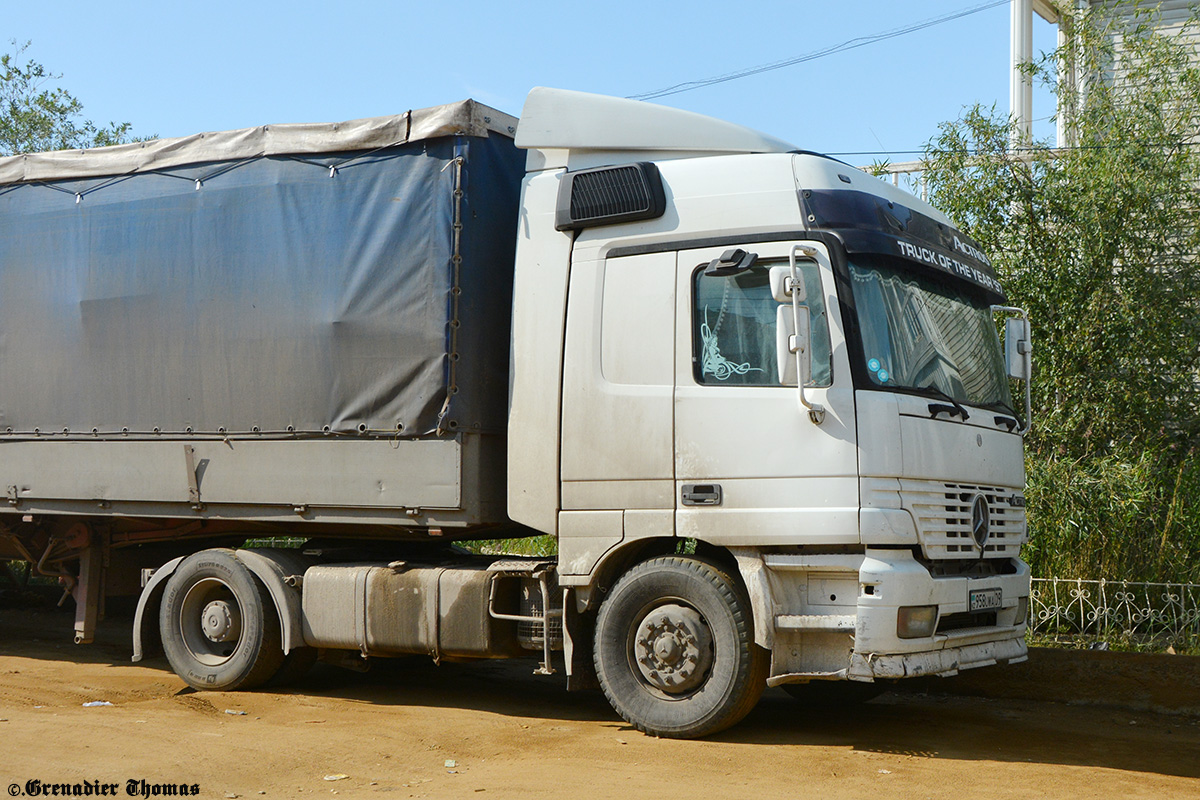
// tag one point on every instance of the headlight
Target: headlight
(916, 622)
(1022, 611)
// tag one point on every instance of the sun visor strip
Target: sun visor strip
(871, 224)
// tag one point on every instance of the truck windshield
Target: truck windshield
(920, 333)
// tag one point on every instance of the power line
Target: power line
(1027, 148)
(849, 44)
(877, 153)
(1023, 151)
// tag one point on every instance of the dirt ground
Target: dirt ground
(412, 729)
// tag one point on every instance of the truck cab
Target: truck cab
(733, 356)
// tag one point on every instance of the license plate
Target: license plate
(985, 599)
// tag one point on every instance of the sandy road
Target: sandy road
(509, 734)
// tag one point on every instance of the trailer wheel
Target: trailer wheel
(219, 627)
(674, 649)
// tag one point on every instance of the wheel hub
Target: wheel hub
(673, 648)
(219, 623)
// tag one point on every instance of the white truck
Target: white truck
(757, 397)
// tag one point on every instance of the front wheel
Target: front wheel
(219, 627)
(674, 648)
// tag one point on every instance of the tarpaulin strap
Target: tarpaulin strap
(78, 195)
(200, 181)
(334, 166)
(110, 182)
(440, 429)
(350, 160)
(55, 188)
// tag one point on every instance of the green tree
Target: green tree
(1101, 243)
(36, 115)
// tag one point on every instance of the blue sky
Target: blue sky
(177, 68)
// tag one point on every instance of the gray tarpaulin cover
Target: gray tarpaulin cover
(233, 281)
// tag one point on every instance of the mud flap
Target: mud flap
(577, 647)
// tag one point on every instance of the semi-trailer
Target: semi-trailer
(757, 397)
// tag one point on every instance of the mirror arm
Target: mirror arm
(816, 412)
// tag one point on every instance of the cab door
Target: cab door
(751, 467)
(617, 464)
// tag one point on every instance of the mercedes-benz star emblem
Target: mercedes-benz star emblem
(980, 521)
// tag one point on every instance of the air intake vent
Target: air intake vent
(609, 195)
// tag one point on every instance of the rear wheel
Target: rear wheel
(674, 648)
(219, 627)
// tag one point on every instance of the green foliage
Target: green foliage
(879, 168)
(1185, 645)
(1100, 242)
(1124, 515)
(529, 546)
(37, 116)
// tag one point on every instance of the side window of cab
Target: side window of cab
(733, 328)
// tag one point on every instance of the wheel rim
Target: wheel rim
(211, 621)
(671, 648)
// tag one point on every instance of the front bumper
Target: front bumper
(891, 579)
(945, 662)
(824, 629)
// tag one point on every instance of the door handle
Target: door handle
(702, 494)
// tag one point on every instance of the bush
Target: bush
(1132, 516)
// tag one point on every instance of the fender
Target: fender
(750, 566)
(148, 601)
(754, 576)
(273, 567)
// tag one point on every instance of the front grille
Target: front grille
(943, 515)
(964, 620)
(970, 567)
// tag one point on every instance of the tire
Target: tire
(833, 694)
(674, 649)
(219, 626)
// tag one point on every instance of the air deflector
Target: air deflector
(608, 195)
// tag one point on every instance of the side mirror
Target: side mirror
(782, 288)
(1018, 354)
(1017, 349)
(790, 340)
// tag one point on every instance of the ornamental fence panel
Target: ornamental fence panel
(1145, 614)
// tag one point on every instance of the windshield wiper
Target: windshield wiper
(1011, 421)
(955, 407)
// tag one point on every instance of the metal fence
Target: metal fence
(908, 175)
(1150, 614)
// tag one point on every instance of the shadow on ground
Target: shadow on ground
(920, 724)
